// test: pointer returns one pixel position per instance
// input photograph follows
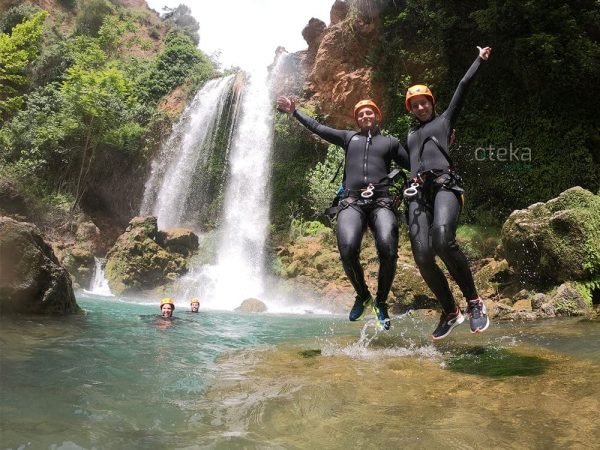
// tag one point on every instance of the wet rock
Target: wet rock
(137, 262)
(252, 305)
(522, 305)
(556, 241)
(548, 310)
(79, 262)
(568, 302)
(538, 300)
(178, 240)
(31, 278)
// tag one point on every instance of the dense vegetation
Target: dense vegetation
(80, 96)
(538, 93)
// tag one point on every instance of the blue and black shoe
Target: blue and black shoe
(380, 309)
(358, 310)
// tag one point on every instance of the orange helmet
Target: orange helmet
(417, 89)
(167, 301)
(370, 103)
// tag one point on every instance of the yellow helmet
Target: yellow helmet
(370, 103)
(417, 89)
(167, 301)
(194, 300)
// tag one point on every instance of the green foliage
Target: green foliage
(17, 51)
(181, 18)
(294, 153)
(322, 187)
(179, 61)
(110, 34)
(16, 15)
(537, 91)
(91, 16)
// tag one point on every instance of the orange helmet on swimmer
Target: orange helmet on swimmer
(417, 89)
(194, 300)
(167, 301)
(370, 103)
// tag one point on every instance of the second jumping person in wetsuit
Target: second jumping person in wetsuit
(435, 202)
(365, 201)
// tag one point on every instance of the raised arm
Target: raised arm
(332, 135)
(461, 91)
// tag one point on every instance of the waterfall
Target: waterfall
(241, 254)
(178, 191)
(99, 284)
(243, 222)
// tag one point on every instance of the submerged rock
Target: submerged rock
(31, 278)
(252, 305)
(137, 261)
(556, 241)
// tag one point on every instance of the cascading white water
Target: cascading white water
(99, 284)
(189, 146)
(238, 273)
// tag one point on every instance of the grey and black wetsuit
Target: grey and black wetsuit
(368, 161)
(433, 213)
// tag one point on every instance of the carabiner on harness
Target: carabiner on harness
(411, 192)
(368, 192)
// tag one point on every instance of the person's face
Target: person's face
(167, 310)
(195, 307)
(366, 117)
(422, 107)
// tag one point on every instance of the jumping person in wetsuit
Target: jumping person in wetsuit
(365, 200)
(435, 202)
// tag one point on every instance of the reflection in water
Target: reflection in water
(114, 379)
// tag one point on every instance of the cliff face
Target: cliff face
(335, 66)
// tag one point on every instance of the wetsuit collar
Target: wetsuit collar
(374, 131)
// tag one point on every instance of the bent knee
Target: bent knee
(443, 238)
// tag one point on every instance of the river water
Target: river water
(119, 377)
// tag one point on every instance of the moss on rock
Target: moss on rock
(556, 241)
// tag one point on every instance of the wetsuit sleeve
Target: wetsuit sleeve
(458, 98)
(332, 135)
(399, 154)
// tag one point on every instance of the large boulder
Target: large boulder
(252, 305)
(178, 240)
(555, 241)
(31, 278)
(138, 262)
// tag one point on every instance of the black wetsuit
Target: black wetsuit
(433, 213)
(368, 161)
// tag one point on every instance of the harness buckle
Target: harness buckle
(411, 192)
(368, 192)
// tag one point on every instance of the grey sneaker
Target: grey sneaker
(447, 324)
(478, 318)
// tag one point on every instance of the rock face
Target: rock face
(555, 241)
(31, 278)
(334, 66)
(137, 261)
(252, 305)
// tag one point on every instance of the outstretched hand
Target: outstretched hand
(484, 53)
(286, 104)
